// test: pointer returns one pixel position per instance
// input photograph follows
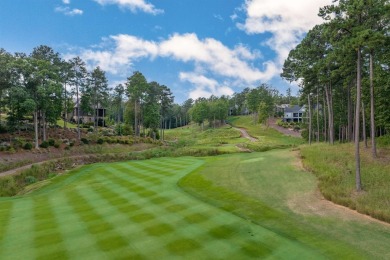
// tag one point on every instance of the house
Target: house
(294, 113)
(89, 116)
(279, 109)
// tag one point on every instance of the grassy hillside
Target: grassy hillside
(335, 168)
(267, 136)
(223, 139)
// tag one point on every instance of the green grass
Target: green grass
(268, 138)
(60, 122)
(223, 139)
(335, 168)
(261, 189)
(135, 210)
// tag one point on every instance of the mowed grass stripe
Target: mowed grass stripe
(104, 233)
(127, 220)
(169, 163)
(137, 173)
(5, 215)
(48, 241)
(131, 187)
(158, 168)
(19, 232)
(77, 239)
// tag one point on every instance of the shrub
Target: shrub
(30, 180)
(383, 140)
(7, 186)
(100, 141)
(27, 146)
(44, 144)
(84, 140)
(17, 142)
(3, 129)
(127, 130)
(51, 142)
(57, 145)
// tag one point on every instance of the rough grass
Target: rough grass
(258, 187)
(335, 168)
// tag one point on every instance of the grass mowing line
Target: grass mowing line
(157, 168)
(139, 173)
(48, 241)
(96, 224)
(5, 218)
(19, 231)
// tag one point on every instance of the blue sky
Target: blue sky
(195, 47)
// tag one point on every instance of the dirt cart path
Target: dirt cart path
(285, 131)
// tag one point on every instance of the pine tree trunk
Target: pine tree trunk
(66, 108)
(357, 122)
(364, 126)
(78, 113)
(372, 115)
(310, 127)
(318, 119)
(135, 119)
(349, 101)
(36, 129)
(325, 121)
(330, 114)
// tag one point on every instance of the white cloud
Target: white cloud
(208, 54)
(66, 2)
(210, 58)
(204, 87)
(218, 17)
(287, 20)
(133, 5)
(68, 11)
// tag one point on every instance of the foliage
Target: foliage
(44, 144)
(27, 146)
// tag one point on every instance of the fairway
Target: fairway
(130, 210)
(135, 210)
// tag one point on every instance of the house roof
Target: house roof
(293, 109)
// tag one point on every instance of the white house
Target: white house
(294, 113)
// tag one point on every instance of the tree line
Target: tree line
(343, 68)
(43, 87)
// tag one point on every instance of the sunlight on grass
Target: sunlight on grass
(60, 123)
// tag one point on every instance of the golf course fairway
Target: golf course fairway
(223, 207)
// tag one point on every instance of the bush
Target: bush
(100, 141)
(3, 129)
(27, 146)
(17, 142)
(127, 130)
(51, 142)
(383, 140)
(30, 180)
(44, 144)
(84, 140)
(7, 186)
(57, 145)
